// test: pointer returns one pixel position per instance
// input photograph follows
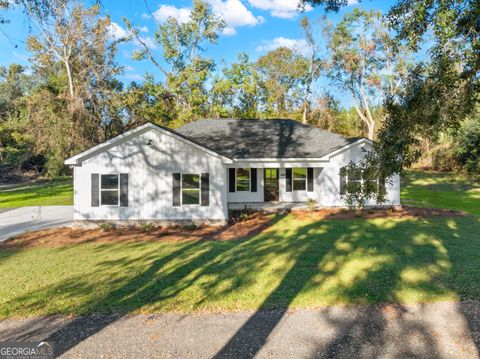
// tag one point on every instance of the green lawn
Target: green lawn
(441, 190)
(295, 263)
(58, 192)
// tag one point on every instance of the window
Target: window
(109, 187)
(299, 179)
(354, 180)
(243, 179)
(357, 180)
(190, 189)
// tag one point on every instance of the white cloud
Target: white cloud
(285, 9)
(296, 44)
(165, 11)
(129, 68)
(233, 12)
(145, 16)
(229, 31)
(144, 29)
(352, 2)
(116, 31)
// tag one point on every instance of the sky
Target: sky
(253, 27)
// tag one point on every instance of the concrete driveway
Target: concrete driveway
(17, 221)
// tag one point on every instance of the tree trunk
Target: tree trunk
(70, 80)
(371, 130)
(368, 120)
(304, 115)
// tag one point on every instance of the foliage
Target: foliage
(148, 227)
(182, 45)
(107, 226)
(364, 63)
(468, 144)
(282, 75)
(237, 92)
(16, 146)
(311, 204)
(71, 109)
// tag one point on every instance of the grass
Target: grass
(57, 192)
(294, 263)
(441, 190)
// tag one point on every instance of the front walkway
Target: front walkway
(20, 220)
(435, 330)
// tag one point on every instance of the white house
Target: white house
(201, 170)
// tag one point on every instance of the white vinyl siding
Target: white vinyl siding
(150, 180)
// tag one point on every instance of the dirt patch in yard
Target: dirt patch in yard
(255, 224)
(394, 212)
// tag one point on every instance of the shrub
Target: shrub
(148, 227)
(468, 145)
(444, 158)
(189, 227)
(107, 227)
(311, 204)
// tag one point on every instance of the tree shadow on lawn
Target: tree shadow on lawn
(322, 263)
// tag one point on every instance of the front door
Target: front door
(270, 176)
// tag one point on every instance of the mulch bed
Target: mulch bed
(406, 212)
(256, 223)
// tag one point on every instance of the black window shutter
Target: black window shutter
(343, 180)
(176, 189)
(288, 173)
(124, 189)
(253, 179)
(231, 179)
(310, 179)
(95, 190)
(205, 185)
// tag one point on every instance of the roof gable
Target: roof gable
(79, 158)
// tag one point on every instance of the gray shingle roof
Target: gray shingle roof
(239, 139)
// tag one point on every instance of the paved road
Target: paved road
(437, 330)
(24, 219)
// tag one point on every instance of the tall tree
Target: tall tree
(74, 53)
(182, 45)
(365, 63)
(237, 92)
(283, 73)
(315, 65)
(15, 85)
